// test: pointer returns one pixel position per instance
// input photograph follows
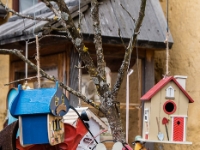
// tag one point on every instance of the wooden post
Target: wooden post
(148, 81)
(16, 5)
(149, 77)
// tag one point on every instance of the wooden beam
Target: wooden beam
(149, 70)
(15, 5)
(148, 81)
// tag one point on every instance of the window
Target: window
(50, 64)
(146, 115)
(169, 107)
(21, 5)
(170, 92)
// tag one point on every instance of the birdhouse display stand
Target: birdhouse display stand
(166, 112)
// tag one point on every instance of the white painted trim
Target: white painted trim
(20, 131)
(146, 110)
(184, 116)
(184, 130)
(170, 142)
(143, 126)
(172, 129)
(180, 76)
(170, 92)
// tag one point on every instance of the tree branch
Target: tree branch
(77, 40)
(26, 16)
(75, 36)
(19, 80)
(119, 33)
(54, 10)
(44, 74)
(128, 13)
(128, 52)
(98, 45)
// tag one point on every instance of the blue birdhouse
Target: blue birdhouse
(40, 113)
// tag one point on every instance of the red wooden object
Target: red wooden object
(73, 136)
(178, 131)
(127, 147)
(165, 121)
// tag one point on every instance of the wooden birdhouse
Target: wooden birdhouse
(40, 113)
(166, 112)
(95, 125)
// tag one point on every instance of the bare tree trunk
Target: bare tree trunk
(109, 104)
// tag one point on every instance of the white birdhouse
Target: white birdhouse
(166, 112)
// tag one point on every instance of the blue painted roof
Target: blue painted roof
(10, 97)
(32, 101)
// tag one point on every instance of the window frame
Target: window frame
(168, 95)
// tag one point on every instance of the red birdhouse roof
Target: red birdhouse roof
(160, 85)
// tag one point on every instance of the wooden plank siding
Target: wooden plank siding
(73, 83)
(45, 61)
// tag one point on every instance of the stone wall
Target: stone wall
(184, 60)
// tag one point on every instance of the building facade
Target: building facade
(184, 60)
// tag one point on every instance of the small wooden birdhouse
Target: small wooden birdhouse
(166, 112)
(94, 124)
(40, 113)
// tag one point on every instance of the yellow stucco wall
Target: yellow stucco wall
(184, 60)
(4, 76)
(3, 20)
(4, 69)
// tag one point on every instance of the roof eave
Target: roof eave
(170, 79)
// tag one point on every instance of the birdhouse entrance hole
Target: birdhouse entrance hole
(169, 107)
